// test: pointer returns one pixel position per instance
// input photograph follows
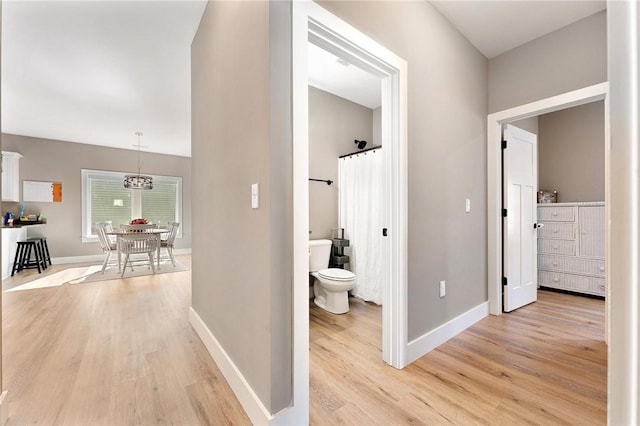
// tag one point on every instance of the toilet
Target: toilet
(331, 285)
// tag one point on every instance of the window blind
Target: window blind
(110, 201)
(159, 204)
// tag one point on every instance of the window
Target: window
(104, 198)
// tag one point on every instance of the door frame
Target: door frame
(495, 121)
(313, 23)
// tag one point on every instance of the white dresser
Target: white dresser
(571, 247)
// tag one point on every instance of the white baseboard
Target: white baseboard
(77, 259)
(182, 251)
(431, 340)
(100, 257)
(257, 412)
(4, 409)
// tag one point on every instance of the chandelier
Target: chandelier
(138, 181)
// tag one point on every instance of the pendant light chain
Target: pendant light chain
(138, 181)
(139, 134)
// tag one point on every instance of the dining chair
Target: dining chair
(107, 224)
(168, 243)
(108, 227)
(106, 244)
(139, 228)
(138, 243)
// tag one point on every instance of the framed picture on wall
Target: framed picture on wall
(547, 197)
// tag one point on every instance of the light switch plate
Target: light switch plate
(467, 205)
(255, 196)
(443, 288)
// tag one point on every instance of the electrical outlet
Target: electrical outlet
(443, 288)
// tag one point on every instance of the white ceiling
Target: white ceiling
(495, 27)
(328, 73)
(96, 72)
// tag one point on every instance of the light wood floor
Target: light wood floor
(544, 364)
(117, 352)
(122, 352)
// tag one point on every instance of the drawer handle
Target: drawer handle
(554, 214)
(555, 247)
(555, 280)
(602, 268)
(555, 263)
(555, 231)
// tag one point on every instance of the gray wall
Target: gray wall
(52, 160)
(334, 123)
(528, 124)
(570, 58)
(571, 153)
(447, 107)
(281, 213)
(241, 134)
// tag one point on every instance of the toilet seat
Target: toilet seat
(336, 274)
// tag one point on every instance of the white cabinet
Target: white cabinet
(571, 247)
(10, 236)
(11, 176)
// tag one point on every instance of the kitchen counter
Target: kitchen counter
(20, 224)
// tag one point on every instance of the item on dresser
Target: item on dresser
(571, 247)
(547, 197)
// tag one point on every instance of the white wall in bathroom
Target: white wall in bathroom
(334, 123)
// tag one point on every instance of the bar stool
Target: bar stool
(44, 249)
(23, 257)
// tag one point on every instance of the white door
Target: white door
(520, 181)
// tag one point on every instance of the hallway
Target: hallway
(116, 352)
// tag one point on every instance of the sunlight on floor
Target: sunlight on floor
(68, 276)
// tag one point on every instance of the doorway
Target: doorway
(494, 180)
(312, 23)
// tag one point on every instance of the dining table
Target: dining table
(119, 232)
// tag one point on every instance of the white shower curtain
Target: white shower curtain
(360, 193)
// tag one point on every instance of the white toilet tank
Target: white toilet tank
(319, 252)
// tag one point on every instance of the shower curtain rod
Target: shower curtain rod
(327, 181)
(360, 152)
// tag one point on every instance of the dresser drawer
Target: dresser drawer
(548, 246)
(563, 230)
(577, 283)
(573, 265)
(556, 214)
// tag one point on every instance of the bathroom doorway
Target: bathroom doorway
(346, 176)
(314, 25)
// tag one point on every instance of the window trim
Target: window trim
(87, 174)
